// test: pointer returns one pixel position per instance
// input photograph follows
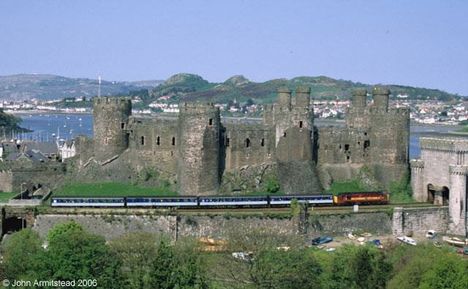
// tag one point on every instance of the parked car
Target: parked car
(376, 242)
(321, 240)
(430, 234)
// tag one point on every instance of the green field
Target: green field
(346, 186)
(4, 197)
(111, 190)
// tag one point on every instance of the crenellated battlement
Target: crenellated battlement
(458, 170)
(104, 100)
(445, 144)
(198, 108)
(417, 164)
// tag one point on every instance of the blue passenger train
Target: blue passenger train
(219, 201)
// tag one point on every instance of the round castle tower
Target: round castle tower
(284, 97)
(359, 99)
(110, 123)
(380, 96)
(198, 169)
(303, 97)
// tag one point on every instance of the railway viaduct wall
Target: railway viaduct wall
(400, 221)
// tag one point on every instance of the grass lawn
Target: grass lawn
(4, 197)
(110, 190)
(257, 193)
(346, 186)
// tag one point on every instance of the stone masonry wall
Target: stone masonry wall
(402, 221)
(418, 220)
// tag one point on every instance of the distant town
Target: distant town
(422, 111)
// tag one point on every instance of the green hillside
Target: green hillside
(190, 87)
(10, 123)
(45, 86)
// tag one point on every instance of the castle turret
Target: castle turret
(110, 123)
(303, 97)
(198, 169)
(457, 199)
(417, 180)
(284, 98)
(380, 96)
(359, 98)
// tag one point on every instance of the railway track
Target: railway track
(276, 210)
(311, 209)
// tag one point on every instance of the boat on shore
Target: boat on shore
(454, 241)
(407, 240)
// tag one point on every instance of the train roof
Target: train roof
(356, 193)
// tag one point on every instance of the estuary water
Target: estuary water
(46, 127)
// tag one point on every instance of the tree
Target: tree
(426, 266)
(151, 262)
(20, 255)
(358, 268)
(450, 272)
(189, 266)
(162, 274)
(137, 253)
(75, 254)
(292, 269)
(64, 228)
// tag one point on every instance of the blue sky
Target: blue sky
(419, 43)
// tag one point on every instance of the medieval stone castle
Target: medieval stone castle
(200, 153)
(196, 152)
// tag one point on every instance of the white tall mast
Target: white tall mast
(99, 86)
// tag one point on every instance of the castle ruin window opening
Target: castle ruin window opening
(210, 122)
(284, 134)
(346, 147)
(300, 124)
(158, 140)
(142, 140)
(247, 142)
(430, 193)
(262, 143)
(445, 196)
(227, 142)
(366, 144)
(173, 141)
(122, 125)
